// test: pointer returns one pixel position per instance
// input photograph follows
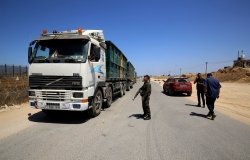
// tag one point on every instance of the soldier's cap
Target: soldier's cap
(147, 76)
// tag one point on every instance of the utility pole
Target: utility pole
(180, 72)
(206, 68)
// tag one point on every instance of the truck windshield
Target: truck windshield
(60, 51)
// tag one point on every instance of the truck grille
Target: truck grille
(53, 95)
(55, 82)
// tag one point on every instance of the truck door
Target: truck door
(97, 63)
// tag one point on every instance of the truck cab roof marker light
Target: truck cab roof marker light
(45, 32)
(80, 31)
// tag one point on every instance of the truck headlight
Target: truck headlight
(78, 94)
(32, 93)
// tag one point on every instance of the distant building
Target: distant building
(242, 61)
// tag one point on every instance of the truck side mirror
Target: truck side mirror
(29, 54)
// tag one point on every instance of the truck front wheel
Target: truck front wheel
(96, 104)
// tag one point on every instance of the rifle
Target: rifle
(139, 91)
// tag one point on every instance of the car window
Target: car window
(182, 80)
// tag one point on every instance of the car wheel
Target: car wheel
(170, 92)
(189, 93)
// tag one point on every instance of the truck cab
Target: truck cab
(76, 70)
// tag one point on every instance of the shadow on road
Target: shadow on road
(137, 116)
(62, 117)
(192, 105)
(198, 115)
(175, 94)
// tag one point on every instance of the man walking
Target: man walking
(145, 94)
(200, 82)
(212, 92)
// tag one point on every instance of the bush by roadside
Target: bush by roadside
(13, 90)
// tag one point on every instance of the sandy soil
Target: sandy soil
(15, 119)
(234, 100)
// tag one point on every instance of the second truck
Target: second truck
(76, 70)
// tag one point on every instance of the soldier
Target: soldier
(212, 92)
(145, 94)
(200, 82)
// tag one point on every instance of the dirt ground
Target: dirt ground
(234, 100)
(14, 119)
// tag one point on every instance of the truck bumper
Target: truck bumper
(59, 100)
(54, 105)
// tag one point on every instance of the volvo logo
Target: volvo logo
(76, 83)
(53, 81)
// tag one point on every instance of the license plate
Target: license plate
(183, 85)
(55, 106)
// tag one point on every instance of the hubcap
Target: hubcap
(98, 101)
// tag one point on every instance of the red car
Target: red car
(177, 85)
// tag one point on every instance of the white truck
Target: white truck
(75, 70)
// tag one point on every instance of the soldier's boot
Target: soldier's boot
(143, 115)
(213, 117)
(147, 117)
(208, 115)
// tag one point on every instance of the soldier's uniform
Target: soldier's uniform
(200, 86)
(145, 94)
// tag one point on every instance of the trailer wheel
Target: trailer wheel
(131, 86)
(109, 96)
(128, 87)
(124, 89)
(96, 104)
(121, 91)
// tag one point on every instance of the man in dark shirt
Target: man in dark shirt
(212, 92)
(200, 82)
(145, 94)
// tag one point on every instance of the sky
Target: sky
(158, 36)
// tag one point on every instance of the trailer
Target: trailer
(130, 76)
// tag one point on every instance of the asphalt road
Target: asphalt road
(177, 130)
